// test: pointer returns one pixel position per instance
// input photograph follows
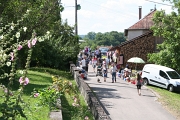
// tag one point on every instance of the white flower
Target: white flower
(27, 11)
(48, 32)
(24, 28)
(21, 71)
(4, 57)
(8, 63)
(12, 28)
(17, 34)
(40, 39)
(19, 89)
(6, 74)
(12, 24)
(1, 37)
(1, 51)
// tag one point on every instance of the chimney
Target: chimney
(140, 12)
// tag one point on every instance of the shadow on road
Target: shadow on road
(149, 95)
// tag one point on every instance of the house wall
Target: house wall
(139, 47)
(158, 40)
(135, 33)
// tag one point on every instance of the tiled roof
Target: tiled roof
(144, 23)
(136, 38)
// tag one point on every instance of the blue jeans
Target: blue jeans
(113, 76)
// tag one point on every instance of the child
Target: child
(104, 67)
(139, 83)
(94, 62)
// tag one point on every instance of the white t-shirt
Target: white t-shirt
(83, 62)
(97, 52)
(114, 69)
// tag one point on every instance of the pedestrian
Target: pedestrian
(83, 63)
(139, 83)
(97, 53)
(113, 72)
(94, 62)
(87, 63)
(104, 67)
(126, 75)
(100, 54)
(107, 62)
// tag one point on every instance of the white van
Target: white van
(161, 76)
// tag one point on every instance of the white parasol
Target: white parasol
(136, 60)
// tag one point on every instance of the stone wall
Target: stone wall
(90, 98)
(138, 47)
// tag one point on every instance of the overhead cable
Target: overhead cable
(159, 3)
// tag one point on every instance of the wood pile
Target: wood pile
(139, 47)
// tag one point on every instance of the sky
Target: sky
(108, 15)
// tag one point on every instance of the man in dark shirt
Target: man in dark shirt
(87, 62)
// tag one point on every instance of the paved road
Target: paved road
(122, 102)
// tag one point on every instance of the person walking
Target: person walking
(139, 83)
(104, 67)
(113, 72)
(86, 62)
(107, 62)
(94, 62)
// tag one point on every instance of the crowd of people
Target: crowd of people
(101, 66)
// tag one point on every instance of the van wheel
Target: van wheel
(171, 88)
(145, 81)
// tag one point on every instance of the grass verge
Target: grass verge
(169, 100)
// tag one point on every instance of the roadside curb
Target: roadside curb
(155, 93)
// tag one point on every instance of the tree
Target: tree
(167, 26)
(44, 15)
(110, 38)
(91, 36)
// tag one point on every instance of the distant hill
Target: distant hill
(82, 36)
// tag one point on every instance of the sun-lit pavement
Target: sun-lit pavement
(122, 102)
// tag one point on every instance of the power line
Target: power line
(128, 15)
(159, 3)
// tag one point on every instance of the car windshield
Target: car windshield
(173, 74)
(103, 49)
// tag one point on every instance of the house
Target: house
(140, 41)
(141, 27)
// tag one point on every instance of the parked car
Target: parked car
(161, 76)
(103, 50)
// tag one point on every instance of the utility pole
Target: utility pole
(77, 7)
(76, 26)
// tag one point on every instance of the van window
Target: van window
(173, 74)
(163, 74)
